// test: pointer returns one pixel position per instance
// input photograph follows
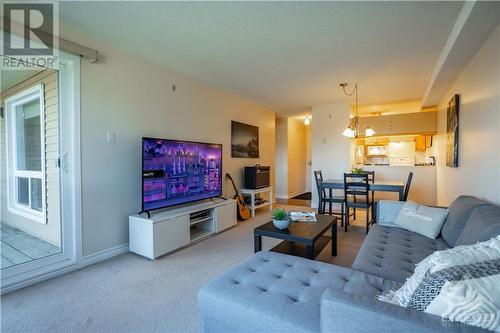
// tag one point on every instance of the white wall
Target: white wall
(423, 186)
(309, 176)
(281, 160)
(478, 173)
(291, 157)
(330, 149)
(297, 158)
(133, 98)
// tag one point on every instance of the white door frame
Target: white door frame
(11, 103)
(22, 275)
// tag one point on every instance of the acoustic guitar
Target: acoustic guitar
(242, 208)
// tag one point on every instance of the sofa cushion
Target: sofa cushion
(392, 253)
(483, 224)
(460, 211)
(458, 284)
(424, 220)
(275, 292)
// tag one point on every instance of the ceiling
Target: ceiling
(9, 78)
(284, 55)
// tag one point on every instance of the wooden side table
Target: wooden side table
(252, 192)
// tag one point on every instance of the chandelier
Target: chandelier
(352, 131)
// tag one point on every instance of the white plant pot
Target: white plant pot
(281, 224)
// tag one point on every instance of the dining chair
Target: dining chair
(357, 195)
(324, 198)
(405, 196)
(407, 187)
(371, 180)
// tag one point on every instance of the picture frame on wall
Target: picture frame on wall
(452, 127)
(244, 140)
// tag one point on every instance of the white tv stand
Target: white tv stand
(169, 230)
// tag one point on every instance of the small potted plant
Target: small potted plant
(358, 171)
(281, 219)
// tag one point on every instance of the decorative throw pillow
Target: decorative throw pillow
(458, 284)
(423, 220)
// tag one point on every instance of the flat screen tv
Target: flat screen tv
(176, 172)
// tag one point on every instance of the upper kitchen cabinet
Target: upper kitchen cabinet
(428, 141)
(409, 123)
(420, 143)
(374, 141)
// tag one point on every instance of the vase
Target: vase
(281, 224)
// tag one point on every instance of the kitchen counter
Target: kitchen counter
(393, 166)
(423, 187)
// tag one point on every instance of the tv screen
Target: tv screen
(176, 172)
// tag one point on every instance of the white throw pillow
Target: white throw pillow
(423, 220)
(458, 284)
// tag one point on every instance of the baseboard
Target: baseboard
(63, 268)
(103, 255)
(290, 195)
(67, 268)
(294, 194)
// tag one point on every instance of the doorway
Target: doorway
(292, 162)
(30, 222)
(39, 177)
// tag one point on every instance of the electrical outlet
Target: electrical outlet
(111, 137)
(324, 140)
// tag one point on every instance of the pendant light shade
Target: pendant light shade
(369, 131)
(352, 131)
(307, 121)
(349, 133)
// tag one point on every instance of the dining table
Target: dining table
(376, 186)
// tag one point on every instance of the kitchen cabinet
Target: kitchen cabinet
(409, 123)
(376, 141)
(420, 144)
(428, 141)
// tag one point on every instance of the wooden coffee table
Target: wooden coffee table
(300, 239)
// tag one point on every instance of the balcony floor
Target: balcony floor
(18, 247)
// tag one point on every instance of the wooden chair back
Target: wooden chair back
(356, 184)
(407, 187)
(371, 176)
(318, 176)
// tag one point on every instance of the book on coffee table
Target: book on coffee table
(303, 217)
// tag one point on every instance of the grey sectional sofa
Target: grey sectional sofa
(272, 292)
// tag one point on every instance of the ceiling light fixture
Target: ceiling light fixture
(307, 121)
(352, 131)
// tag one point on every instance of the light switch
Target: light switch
(111, 137)
(324, 140)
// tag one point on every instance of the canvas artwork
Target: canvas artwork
(244, 140)
(452, 114)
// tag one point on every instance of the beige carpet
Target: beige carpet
(131, 294)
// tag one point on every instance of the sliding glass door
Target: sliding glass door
(37, 187)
